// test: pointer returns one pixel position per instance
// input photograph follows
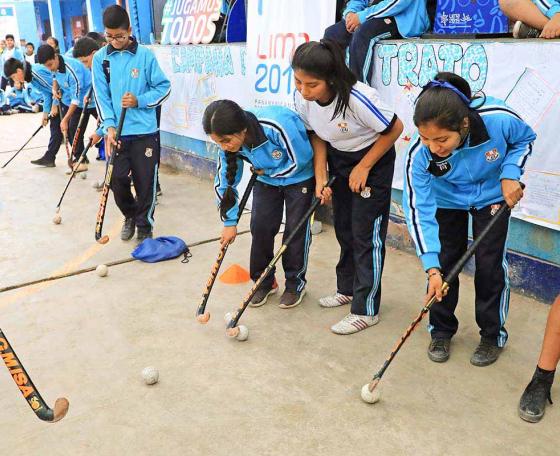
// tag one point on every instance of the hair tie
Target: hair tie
(447, 85)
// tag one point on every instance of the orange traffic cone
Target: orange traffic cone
(235, 274)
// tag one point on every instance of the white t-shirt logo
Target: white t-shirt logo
(343, 127)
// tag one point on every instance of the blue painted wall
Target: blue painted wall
(25, 14)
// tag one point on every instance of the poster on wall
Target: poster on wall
(526, 83)
(189, 22)
(8, 21)
(274, 30)
(200, 75)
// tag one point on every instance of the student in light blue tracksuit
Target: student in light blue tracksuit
(10, 51)
(366, 22)
(73, 83)
(127, 75)
(19, 98)
(41, 81)
(467, 158)
(275, 142)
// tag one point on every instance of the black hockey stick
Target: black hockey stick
(201, 315)
(27, 388)
(80, 125)
(232, 329)
(107, 185)
(367, 389)
(74, 168)
(26, 143)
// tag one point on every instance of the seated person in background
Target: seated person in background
(535, 18)
(19, 99)
(30, 53)
(365, 23)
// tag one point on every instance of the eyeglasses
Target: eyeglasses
(116, 38)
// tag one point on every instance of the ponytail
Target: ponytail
(225, 117)
(325, 60)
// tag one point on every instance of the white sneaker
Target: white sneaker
(352, 323)
(335, 300)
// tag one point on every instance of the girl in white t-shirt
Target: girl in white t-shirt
(354, 131)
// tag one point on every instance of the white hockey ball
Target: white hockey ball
(371, 397)
(150, 375)
(227, 317)
(243, 333)
(84, 176)
(102, 270)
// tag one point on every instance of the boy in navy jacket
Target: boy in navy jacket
(127, 75)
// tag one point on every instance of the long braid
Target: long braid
(223, 118)
(229, 197)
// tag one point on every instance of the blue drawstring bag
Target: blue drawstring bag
(161, 249)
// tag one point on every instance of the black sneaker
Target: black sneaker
(291, 298)
(43, 162)
(522, 30)
(128, 229)
(438, 351)
(486, 353)
(263, 293)
(533, 401)
(144, 232)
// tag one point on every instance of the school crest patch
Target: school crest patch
(134, 73)
(492, 155)
(493, 209)
(366, 192)
(149, 152)
(277, 155)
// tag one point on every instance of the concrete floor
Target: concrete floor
(293, 388)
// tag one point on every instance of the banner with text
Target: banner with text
(274, 30)
(200, 75)
(527, 83)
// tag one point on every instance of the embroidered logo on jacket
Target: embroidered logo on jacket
(494, 208)
(492, 155)
(134, 73)
(277, 155)
(366, 192)
(149, 152)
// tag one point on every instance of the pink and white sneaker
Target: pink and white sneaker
(335, 300)
(353, 323)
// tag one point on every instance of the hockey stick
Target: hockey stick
(27, 388)
(367, 389)
(232, 329)
(65, 136)
(22, 147)
(107, 186)
(74, 168)
(80, 125)
(201, 315)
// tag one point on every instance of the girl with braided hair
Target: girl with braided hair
(274, 140)
(467, 159)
